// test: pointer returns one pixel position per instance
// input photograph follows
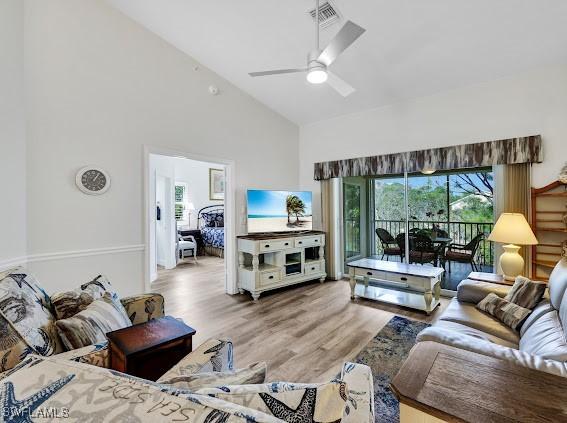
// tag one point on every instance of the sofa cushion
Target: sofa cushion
(475, 333)
(26, 321)
(467, 314)
(469, 343)
(213, 355)
(545, 337)
(510, 314)
(86, 393)
(250, 375)
(526, 293)
(290, 402)
(360, 403)
(542, 308)
(470, 291)
(91, 325)
(95, 354)
(558, 283)
(67, 304)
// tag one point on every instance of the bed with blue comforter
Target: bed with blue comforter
(211, 224)
(213, 237)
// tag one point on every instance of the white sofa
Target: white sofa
(539, 344)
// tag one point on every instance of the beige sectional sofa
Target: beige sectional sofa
(40, 381)
(541, 342)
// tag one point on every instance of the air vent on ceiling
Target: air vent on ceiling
(328, 14)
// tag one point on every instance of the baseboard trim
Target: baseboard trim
(63, 255)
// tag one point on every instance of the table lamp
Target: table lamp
(190, 209)
(512, 229)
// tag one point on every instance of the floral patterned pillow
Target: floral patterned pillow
(27, 325)
(213, 219)
(67, 304)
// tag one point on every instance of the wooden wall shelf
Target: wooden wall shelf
(554, 194)
(548, 207)
(539, 228)
(545, 263)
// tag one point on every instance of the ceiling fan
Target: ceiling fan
(319, 60)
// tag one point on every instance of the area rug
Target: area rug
(385, 355)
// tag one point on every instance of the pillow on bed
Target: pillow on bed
(213, 219)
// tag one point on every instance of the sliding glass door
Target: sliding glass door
(444, 210)
(388, 208)
(354, 219)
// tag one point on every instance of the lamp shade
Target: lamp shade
(513, 228)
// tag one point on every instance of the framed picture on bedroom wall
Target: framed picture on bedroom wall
(216, 184)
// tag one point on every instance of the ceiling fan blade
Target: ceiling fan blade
(342, 87)
(348, 34)
(276, 72)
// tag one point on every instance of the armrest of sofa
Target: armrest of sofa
(96, 355)
(480, 346)
(360, 397)
(144, 307)
(470, 291)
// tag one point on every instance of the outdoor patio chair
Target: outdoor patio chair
(389, 244)
(423, 250)
(401, 241)
(464, 253)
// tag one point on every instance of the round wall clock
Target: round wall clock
(92, 180)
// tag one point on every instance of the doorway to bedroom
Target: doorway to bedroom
(186, 224)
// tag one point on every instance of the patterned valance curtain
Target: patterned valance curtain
(508, 151)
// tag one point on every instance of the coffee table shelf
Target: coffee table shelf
(408, 285)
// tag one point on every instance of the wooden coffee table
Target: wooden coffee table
(407, 285)
(150, 349)
(439, 383)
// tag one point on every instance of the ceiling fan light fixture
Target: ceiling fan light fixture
(317, 76)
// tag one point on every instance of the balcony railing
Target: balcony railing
(459, 232)
(352, 238)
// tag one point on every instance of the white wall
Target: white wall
(195, 174)
(528, 104)
(12, 134)
(100, 87)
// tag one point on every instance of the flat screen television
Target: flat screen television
(279, 211)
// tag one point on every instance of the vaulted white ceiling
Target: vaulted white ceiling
(411, 48)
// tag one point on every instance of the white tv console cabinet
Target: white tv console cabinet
(267, 262)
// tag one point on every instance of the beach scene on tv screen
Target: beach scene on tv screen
(279, 211)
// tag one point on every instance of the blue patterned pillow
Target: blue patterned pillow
(213, 219)
(27, 324)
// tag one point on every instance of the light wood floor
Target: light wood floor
(304, 333)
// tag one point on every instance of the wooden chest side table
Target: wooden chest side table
(150, 349)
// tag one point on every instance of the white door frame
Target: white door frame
(231, 286)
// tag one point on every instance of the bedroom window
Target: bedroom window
(180, 202)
